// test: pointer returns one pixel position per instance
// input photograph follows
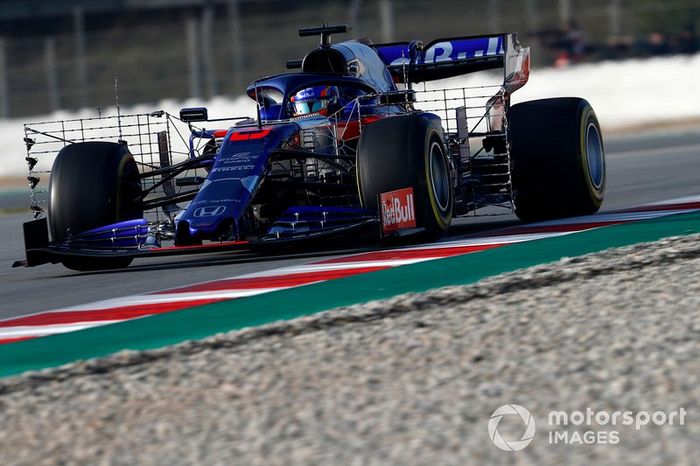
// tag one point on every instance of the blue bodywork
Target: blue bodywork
(238, 170)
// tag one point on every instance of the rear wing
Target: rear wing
(413, 62)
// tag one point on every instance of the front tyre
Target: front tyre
(92, 184)
(558, 159)
(407, 151)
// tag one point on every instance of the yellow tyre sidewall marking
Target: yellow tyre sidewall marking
(442, 222)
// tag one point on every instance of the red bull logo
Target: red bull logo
(397, 211)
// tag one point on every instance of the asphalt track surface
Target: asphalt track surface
(641, 170)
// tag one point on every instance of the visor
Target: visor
(310, 106)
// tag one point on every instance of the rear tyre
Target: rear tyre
(407, 151)
(92, 184)
(558, 159)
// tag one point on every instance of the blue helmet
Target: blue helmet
(314, 100)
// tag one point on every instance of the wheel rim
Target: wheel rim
(594, 155)
(439, 176)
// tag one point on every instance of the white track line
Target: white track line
(30, 331)
(145, 299)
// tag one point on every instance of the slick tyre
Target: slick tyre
(407, 151)
(558, 159)
(92, 184)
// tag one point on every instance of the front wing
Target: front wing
(40, 251)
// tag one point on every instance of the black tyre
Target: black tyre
(92, 184)
(407, 151)
(558, 159)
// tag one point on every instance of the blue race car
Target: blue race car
(374, 139)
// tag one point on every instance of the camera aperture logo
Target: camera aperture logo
(588, 427)
(527, 419)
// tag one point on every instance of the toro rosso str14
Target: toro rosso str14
(358, 137)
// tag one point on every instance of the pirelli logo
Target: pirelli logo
(397, 210)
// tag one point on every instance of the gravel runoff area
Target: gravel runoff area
(411, 380)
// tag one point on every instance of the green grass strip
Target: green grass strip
(203, 321)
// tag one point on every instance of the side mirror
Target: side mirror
(190, 115)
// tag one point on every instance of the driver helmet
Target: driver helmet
(314, 100)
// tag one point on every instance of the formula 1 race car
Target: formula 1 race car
(364, 138)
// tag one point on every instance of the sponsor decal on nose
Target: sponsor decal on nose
(211, 211)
